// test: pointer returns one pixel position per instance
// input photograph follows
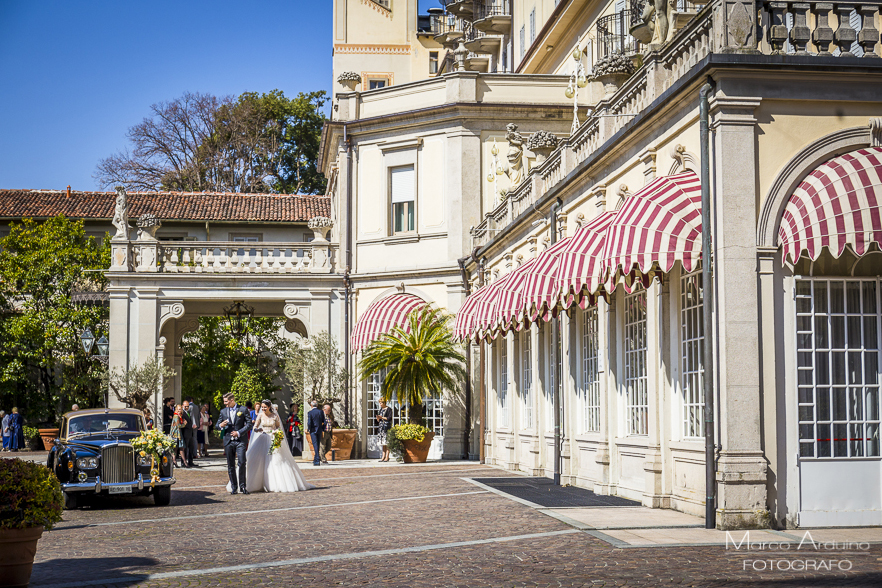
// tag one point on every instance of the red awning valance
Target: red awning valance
(381, 317)
(581, 260)
(466, 317)
(543, 283)
(655, 227)
(838, 204)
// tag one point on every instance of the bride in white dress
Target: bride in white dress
(276, 472)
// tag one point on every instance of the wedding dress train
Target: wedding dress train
(270, 473)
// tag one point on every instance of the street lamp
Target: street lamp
(87, 339)
(578, 79)
(237, 317)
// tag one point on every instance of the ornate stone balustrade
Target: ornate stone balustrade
(820, 28)
(225, 257)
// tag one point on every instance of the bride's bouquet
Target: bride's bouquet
(278, 438)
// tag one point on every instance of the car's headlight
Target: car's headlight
(144, 460)
(87, 463)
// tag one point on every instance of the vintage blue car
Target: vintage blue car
(94, 456)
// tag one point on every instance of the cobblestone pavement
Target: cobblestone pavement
(389, 526)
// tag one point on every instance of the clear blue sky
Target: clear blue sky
(77, 74)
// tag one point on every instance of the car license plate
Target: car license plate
(119, 490)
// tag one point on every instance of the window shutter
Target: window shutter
(402, 184)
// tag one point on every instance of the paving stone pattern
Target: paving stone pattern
(122, 542)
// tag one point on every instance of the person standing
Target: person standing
(15, 430)
(168, 411)
(234, 422)
(195, 425)
(327, 432)
(4, 427)
(315, 423)
(204, 429)
(148, 418)
(294, 430)
(175, 431)
(384, 423)
(75, 408)
(188, 434)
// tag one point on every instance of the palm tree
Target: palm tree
(418, 360)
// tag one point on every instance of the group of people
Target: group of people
(251, 441)
(13, 430)
(189, 425)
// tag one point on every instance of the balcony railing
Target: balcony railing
(820, 28)
(226, 257)
(613, 36)
(488, 8)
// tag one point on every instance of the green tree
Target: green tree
(417, 360)
(42, 366)
(136, 386)
(313, 367)
(212, 356)
(248, 385)
(254, 143)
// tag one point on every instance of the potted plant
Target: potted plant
(418, 358)
(32, 438)
(411, 442)
(30, 501)
(48, 436)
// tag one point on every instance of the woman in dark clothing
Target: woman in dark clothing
(168, 411)
(17, 432)
(384, 421)
(294, 431)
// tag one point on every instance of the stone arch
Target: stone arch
(403, 289)
(790, 176)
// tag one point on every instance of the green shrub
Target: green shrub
(248, 385)
(400, 433)
(30, 495)
(30, 433)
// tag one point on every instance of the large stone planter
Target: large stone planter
(343, 440)
(49, 436)
(19, 546)
(417, 451)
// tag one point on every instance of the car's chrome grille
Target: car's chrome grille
(117, 464)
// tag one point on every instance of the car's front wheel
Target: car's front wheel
(162, 496)
(71, 501)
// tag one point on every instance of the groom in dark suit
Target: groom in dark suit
(315, 425)
(234, 423)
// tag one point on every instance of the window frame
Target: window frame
(635, 354)
(412, 203)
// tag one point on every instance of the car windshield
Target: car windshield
(92, 424)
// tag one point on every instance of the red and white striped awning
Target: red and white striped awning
(485, 310)
(543, 287)
(655, 227)
(838, 204)
(466, 318)
(511, 300)
(581, 261)
(381, 317)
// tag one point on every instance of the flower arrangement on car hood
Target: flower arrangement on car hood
(153, 443)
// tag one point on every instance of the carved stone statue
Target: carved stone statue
(121, 215)
(654, 25)
(515, 154)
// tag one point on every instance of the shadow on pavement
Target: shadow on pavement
(115, 570)
(179, 498)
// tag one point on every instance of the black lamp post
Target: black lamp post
(87, 339)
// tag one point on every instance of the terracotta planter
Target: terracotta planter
(417, 451)
(19, 546)
(49, 436)
(343, 440)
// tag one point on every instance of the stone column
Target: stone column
(741, 469)
(606, 341)
(652, 465)
(569, 357)
(119, 333)
(454, 400)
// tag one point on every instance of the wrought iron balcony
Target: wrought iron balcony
(492, 16)
(447, 29)
(613, 36)
(477, 41)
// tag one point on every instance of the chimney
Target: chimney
(68, 190)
